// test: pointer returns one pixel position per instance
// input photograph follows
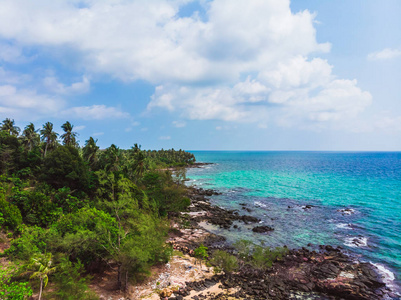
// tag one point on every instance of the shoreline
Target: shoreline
(323, 273)
(329, 271)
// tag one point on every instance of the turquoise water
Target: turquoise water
(276, 186)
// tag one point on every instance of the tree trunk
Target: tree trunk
(40, 290)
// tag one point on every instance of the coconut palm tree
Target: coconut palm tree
(69, 137)
(30, 137)
(42, 269)
(90, 150)
(48, 136)
(8, 125)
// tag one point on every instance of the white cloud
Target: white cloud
(53, 85)
(385, 54)
(94, 112)
(27, 104)
(245, 61)
(98, 133)
(165, 138)
(179, 124)
(11, 53)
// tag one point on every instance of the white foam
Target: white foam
(356, 242)
(259, 204)
(344, 226)
(387, 276)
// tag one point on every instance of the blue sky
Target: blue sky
(207, 75)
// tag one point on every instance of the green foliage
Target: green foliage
(264, 257)
(42, 266)
(63, 198)
(90, 205)
(87, 234)
(168, 194)
(10, 214)
(223, 261)
(70, 282)
(33, 240)
(64, 167)
(244, 249)
(170, 158)
(201, 252)
(36, 208)
(11, 153)
(14, 290)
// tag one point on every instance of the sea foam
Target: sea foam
(356, 242)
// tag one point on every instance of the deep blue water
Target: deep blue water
(276, 186)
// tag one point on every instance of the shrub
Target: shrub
(71, 284)
(223, 261)
(263, 258)
(11, 215)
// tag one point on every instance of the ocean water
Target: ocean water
(355, 199)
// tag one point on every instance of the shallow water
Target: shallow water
(355, 198)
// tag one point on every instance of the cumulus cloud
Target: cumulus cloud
(20, 103)
(253, 61)
(385, 54)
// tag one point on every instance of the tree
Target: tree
(9, 126)
(48, 136)
(42, 266)
(65, 167)
(112, 157)
(90, 151)
(69, 137)
(30, 137)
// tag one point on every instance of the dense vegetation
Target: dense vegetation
(72, 211)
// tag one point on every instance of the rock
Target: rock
(262, 229)
(166, 293)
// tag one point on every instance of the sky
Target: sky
(207, 75)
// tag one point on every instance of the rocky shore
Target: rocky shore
(321, 272)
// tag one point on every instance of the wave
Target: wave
(356, 242)
(259, 204)
(387, 276)
(344, 226)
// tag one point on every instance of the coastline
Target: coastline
(326, 273)
(313, 272)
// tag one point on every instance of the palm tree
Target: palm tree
(9, 126)
(48, 135)
(112, 157)
(30, 137)
(90, 150)
(42, 266)
(69, 137)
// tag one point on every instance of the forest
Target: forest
(68, 212)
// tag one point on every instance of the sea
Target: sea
(347, 199)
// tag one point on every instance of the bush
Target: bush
(263, 258)
(36, 208)
(223, 261)
(201, 253)
(11, 215)
(71, 284)
(33, 240)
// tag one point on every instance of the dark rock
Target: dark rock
(262, 229)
